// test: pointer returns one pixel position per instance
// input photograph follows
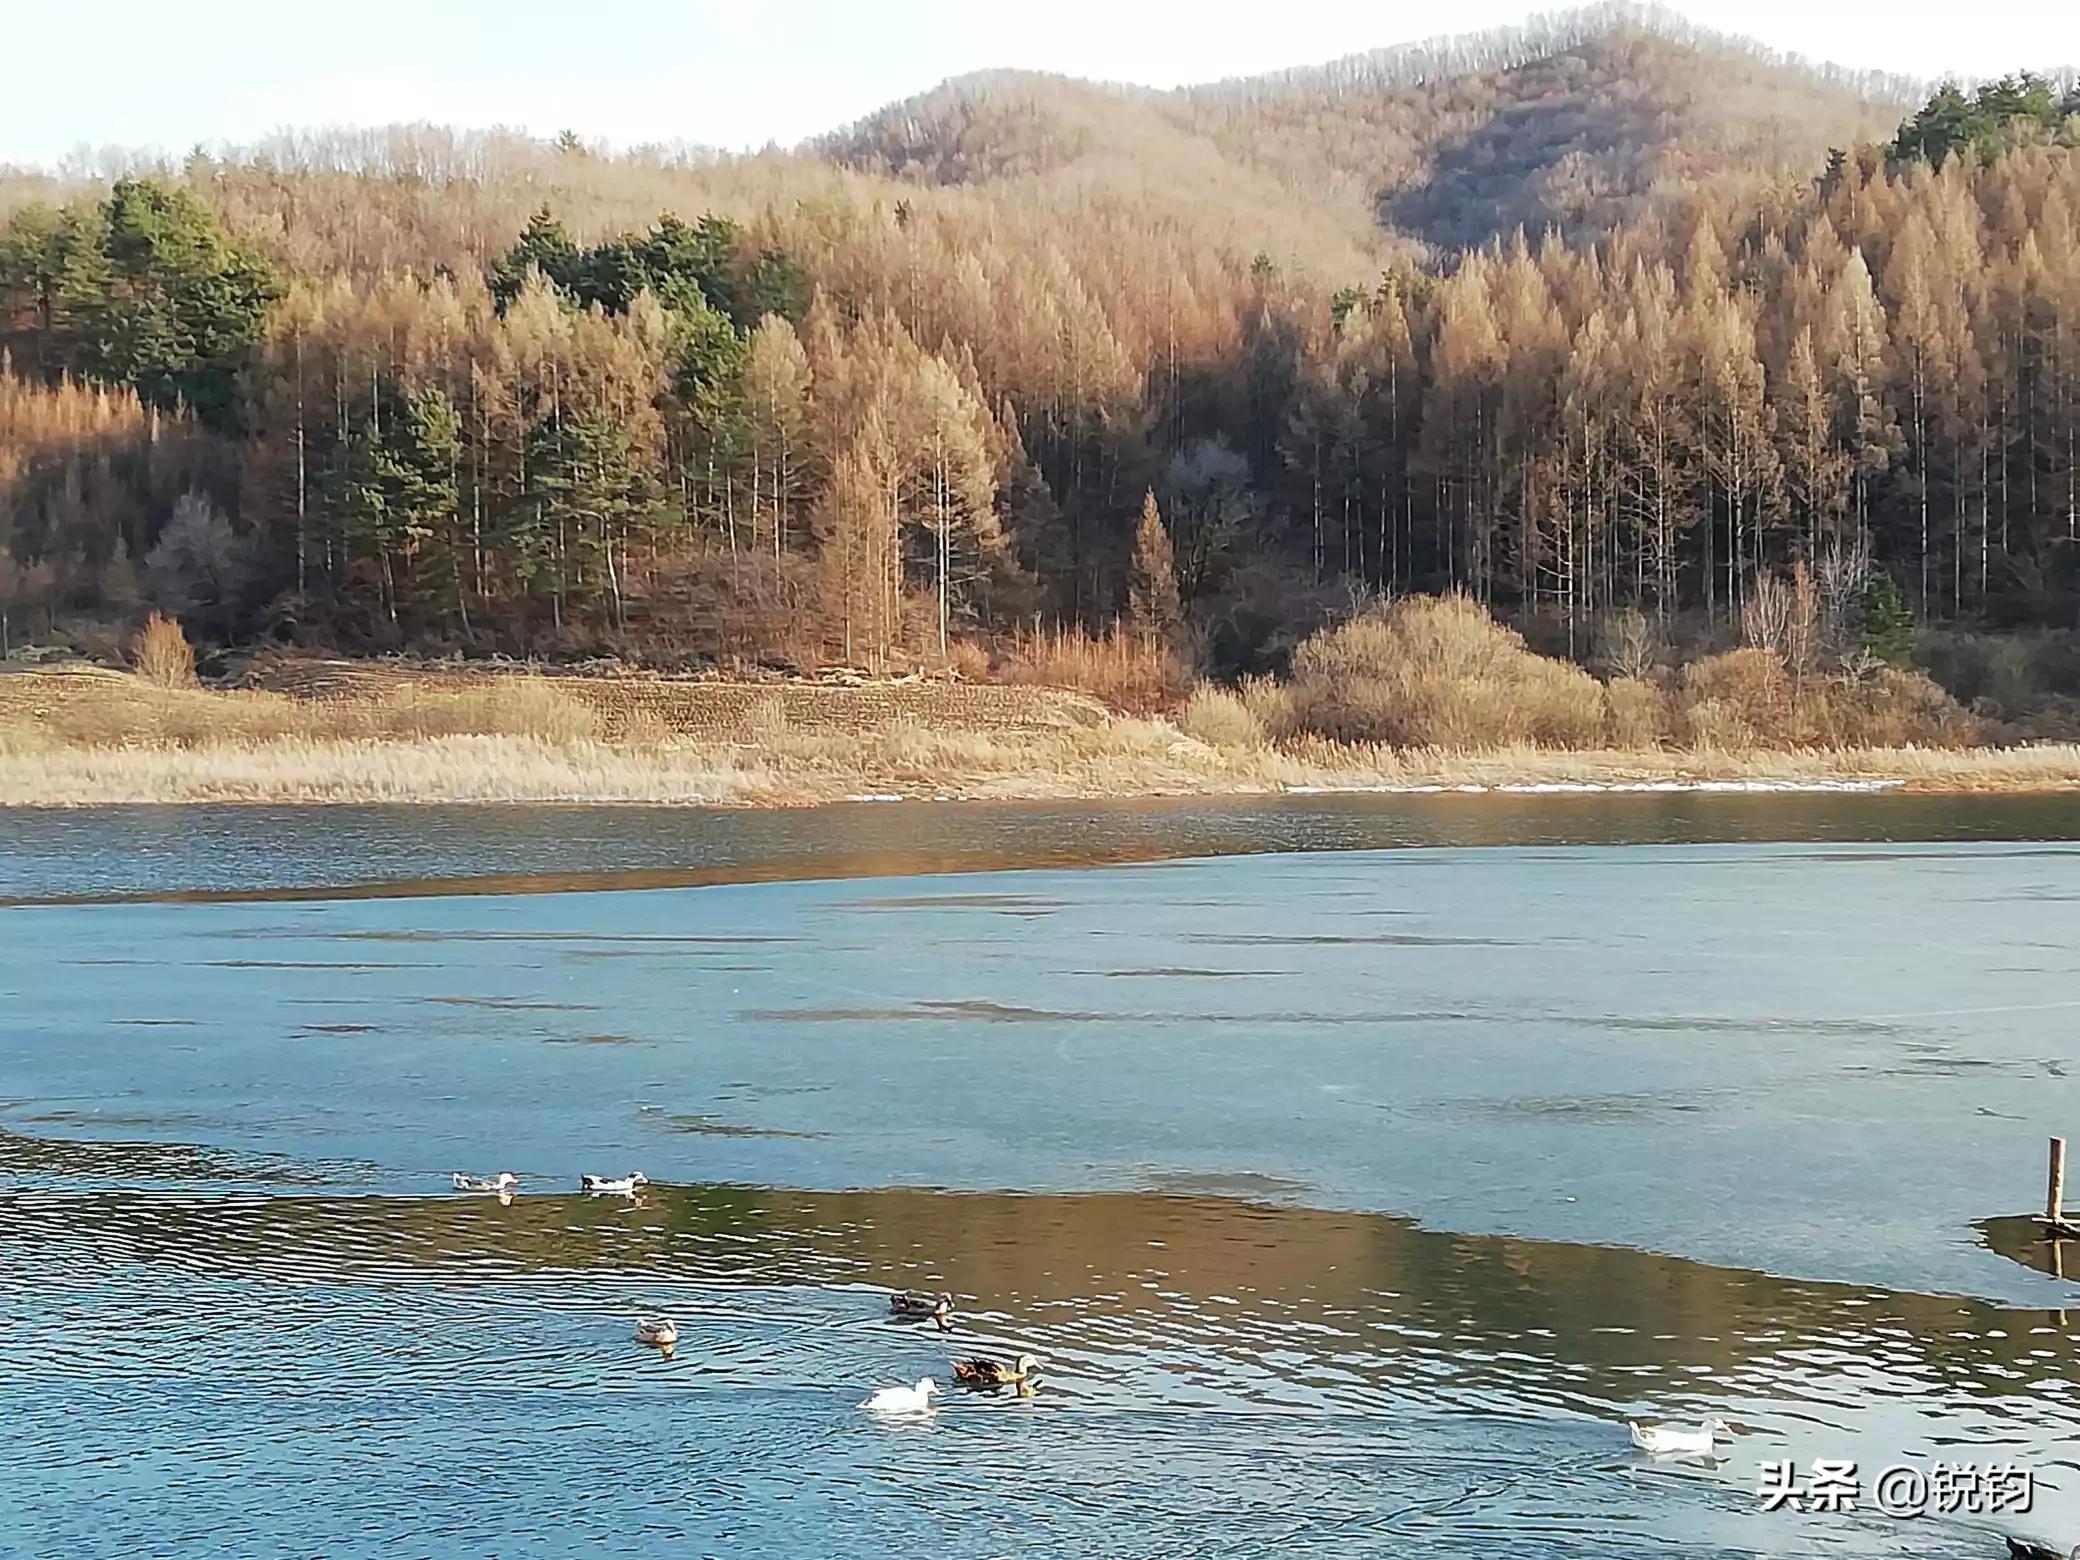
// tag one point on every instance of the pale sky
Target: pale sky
(146, 73)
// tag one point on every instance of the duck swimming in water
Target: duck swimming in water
(659, 1334)
(903, 1400)
(1677, 1440)
(921, 1305)
(602, 1185)
(502, 1183)
(2023, 1549)
(985, 1372)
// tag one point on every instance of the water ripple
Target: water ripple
(1314, 1381)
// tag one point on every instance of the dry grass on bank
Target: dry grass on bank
(93, 708)
(1422, 695)
(86, 735)
(113, 739)
(1330, 766)
(1127, 671)
(1121, 758)
(1134, 758)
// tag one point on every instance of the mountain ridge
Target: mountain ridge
(1575, 121)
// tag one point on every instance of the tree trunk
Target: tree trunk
(302, 488)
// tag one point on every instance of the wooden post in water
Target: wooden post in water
(2056, 1230)
(2055, 1192)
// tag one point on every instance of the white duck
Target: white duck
(1677, 1440)
(602, 1185)
(659, 1334)
(503, 1182)
(903, 1400)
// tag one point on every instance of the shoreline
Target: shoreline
(1147, 761)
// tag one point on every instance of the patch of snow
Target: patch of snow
(1609, 787)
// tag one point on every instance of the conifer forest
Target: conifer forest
(1604, 316)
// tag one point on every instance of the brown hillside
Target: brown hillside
(1577, 123)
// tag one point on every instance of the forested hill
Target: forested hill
(1575, 123)
(1600, 322)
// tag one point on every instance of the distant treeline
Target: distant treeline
(858, 418)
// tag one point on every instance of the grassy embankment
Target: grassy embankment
(85, 736)
(1424, 694)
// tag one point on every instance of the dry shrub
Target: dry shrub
(162, 655)
(1783, 615)
(1628, 644)
(1439, 672)
(1270, 703)
(1220, 719)
(1895, 708)
(1746, 700)
(1127, 671)
(1738, 700)
(1636, 714)
(1714, 726)
(1560, 705)
(968, 660)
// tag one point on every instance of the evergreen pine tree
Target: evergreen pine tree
(1888, 622)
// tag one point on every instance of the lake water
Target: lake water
(1356, 1166)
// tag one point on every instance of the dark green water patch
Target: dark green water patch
(510, 1004)
(1181, 972)
(976, 1011)
(339, 966)
(38, 1159)
(1025, 902)
(1343, 939)
(713, 1126)
(1720, 1024)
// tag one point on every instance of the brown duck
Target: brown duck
(922, 1305)
(985, 1372)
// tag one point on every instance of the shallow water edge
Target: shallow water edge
(204, 853)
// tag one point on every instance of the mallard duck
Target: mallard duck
(2023, 1549)
(503, 1182)
(984, 1372)
(903, 1400)
(603, 1185)
(659, 1334)
(1677, 1440)
(921, 1305)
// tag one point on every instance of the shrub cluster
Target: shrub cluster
(1440, 672)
